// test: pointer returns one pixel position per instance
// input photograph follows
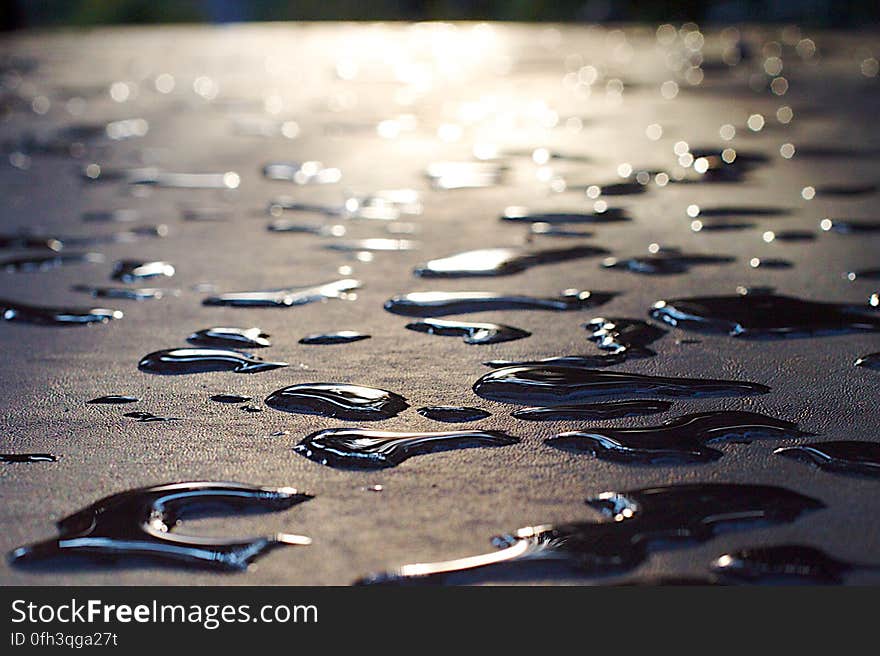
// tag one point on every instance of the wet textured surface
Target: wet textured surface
(763, 315)
(202, 360)
(517, 95)
(841, 456)
(338, 400)
(559, 384)
(471, 332)
(438, 304)
(138, 524)
(677, 441)
(358, 448)
(453, 414)
(633, 524)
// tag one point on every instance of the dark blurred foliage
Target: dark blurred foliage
(38, 13)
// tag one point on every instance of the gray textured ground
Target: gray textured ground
(444, 505)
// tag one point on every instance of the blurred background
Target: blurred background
(17, 14)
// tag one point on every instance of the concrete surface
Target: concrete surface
(499, 84)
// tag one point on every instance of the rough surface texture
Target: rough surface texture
(449, 504)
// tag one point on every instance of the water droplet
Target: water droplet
(617, 335)
(500, 261)
(338, 400)
(54, 316)
(124, 293)
(726, 211)
(149, 417)
(23, 240)
(464, 175)
(870, 361)
(669, 262)
(31, 263)
(849, 227)
(679, 440)
(139, 523)
(763, 315)
(523, 215)
(453, 414)
(337, 337)
(374, 244)
(769, 263)
(599, 411)
(286, 297)
(583, 361)
(197, 213)
(633, 524)
(789, 235)
(864, 274)
(783, 564)
(111, 216)
(202, 360)
(837, 152)
(152, 176)
(123, 237)
(27, 457)
(135, 270)
(230, 398)
(302, 173)
(725, 226)
(114, 399)
(550, 230)
(472, 332)
(843, 190)
(287, 225)
(843, 456)
(555, 384)
(616, 189)
(358, 448)
(438, 304)
(222, 336)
